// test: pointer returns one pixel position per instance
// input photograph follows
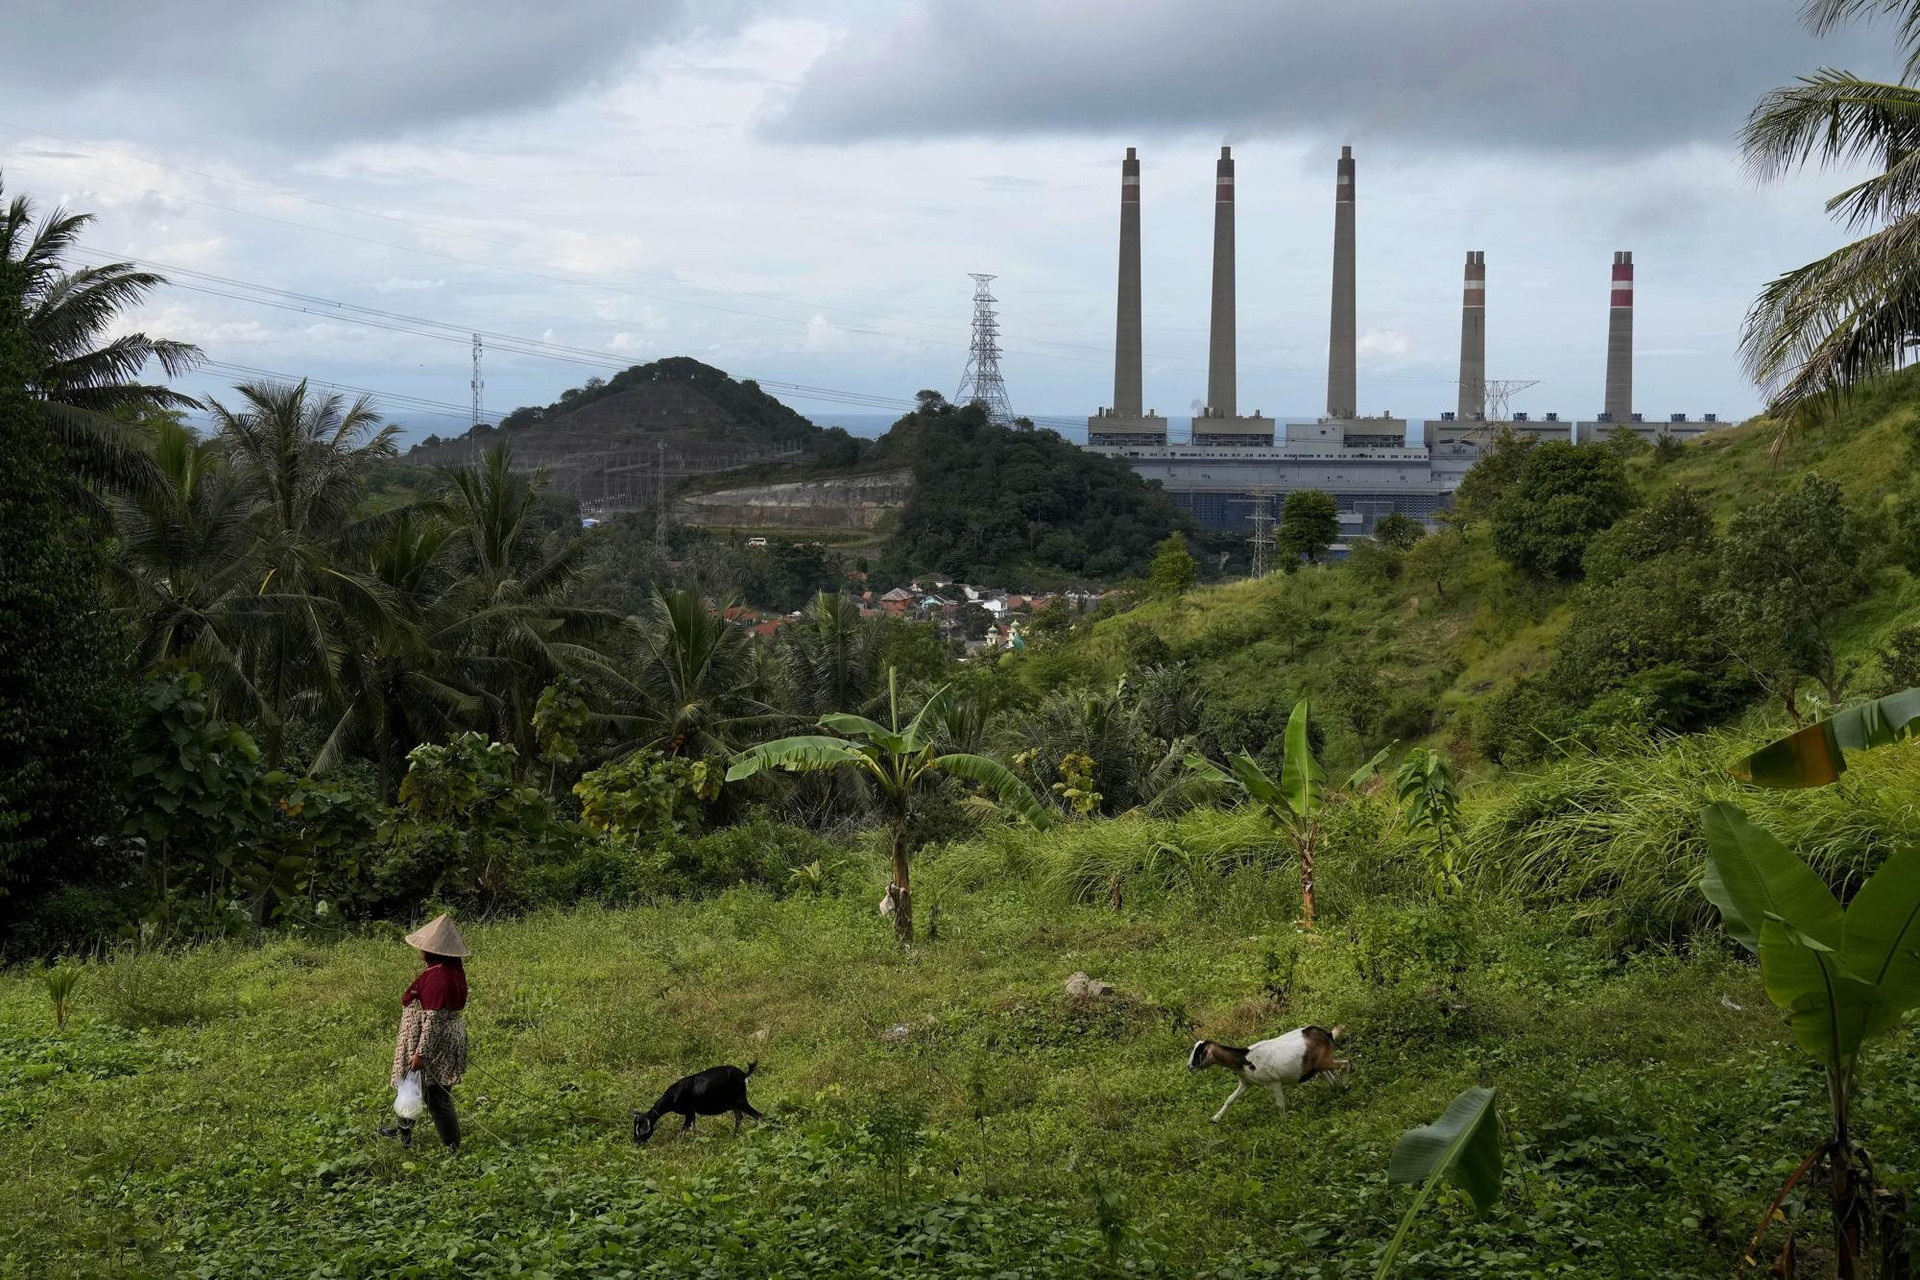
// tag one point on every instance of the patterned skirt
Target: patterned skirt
(437, 1034)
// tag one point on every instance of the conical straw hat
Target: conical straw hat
(439, 937)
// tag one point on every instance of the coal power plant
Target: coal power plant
(1235, 464)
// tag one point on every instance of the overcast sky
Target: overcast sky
(794, 190)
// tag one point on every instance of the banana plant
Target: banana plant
(1463, 1146)
(1294, 807)
(1844, 977)
(898, 760)
(1816, 755)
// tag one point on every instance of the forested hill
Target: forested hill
(1004, 504)
(687, 406)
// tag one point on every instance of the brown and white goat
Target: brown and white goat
(1293, 1058)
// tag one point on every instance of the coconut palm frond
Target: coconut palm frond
(1825, 16)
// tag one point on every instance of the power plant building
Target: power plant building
(1368, 465)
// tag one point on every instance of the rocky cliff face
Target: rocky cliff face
(847, 502)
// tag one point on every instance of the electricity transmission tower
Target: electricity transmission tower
(1262, 540)
(981, 380)
(1500, 391)
(473, 436)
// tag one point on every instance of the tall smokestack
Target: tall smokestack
(1127, 401)
(1620, 341)
(1341, 397)
(1473, 339)
(1221, 374)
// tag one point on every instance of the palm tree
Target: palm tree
(89, 385)
(304, 460)
(476, 618)
(898, 762)
(1822, 328)
(690, 692)
(833, 656)
(183, 563)
(395, 687)
(513, 598)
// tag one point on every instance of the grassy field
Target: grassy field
(947, 1111)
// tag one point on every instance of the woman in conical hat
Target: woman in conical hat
(432, 1039)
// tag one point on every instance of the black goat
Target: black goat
(712, 1092)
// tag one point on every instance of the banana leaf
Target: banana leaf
(1752, 877)
(1462, 1146)
(1816, 755)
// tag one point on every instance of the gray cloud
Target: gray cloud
(310, 74)
(1611, 78)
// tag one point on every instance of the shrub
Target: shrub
(618, 869)
(1566, 495)
(464, 833)
(648, 794)
(147, 990)
(1522, 723)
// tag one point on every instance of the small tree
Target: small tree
(1424, 783)
(1309, 523)
(1295, 807)
(1788, 565)
(1497, 471)
(559, 718)
(1566, 495)
(1435, 561)
(898, 761)
(1173, 567)
(1398, 531)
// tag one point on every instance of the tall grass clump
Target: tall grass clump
(1202, 853)
(144, 990)
(1618, 837)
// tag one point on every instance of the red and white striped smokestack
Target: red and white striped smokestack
(1619, 398)
(1127, 399)
(1473, 339)
(1222, 377)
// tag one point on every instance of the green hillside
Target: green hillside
(1415, 647)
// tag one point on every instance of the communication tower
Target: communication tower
(981, 379)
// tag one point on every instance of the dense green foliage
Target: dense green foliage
(1172, 571)
(62, 705)
(1309, 523)
(1564, 497)
(755, 417)
(993, 504)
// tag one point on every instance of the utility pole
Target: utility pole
(981, 379)
(660, 492)
(473, 436)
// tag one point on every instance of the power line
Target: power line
(1098, 354)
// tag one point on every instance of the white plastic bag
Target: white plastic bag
(411, 1100)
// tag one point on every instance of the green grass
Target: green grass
(212, 1113)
